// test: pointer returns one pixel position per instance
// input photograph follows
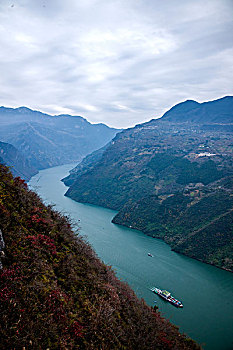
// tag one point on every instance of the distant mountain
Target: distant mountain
(170, 179)
(19, 165)
(19, 115)
(47, 140)
(218, 111)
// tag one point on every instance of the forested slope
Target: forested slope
(56, 294)
(169, 178)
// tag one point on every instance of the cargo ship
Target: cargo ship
(167, 296)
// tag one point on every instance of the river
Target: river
(206, 291)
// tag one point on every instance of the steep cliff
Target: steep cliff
(56, 294)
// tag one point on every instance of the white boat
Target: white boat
(167, 296)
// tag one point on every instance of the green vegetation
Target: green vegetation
(188, 172)
(86, 165)
(56, 294)
(212, 243)
(199, 226)
(170, 178)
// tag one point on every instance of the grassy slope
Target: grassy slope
(55, 293)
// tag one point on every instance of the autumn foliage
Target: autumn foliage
(56, 294)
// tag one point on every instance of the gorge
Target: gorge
(205, 291)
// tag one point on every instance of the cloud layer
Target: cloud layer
(120, 62)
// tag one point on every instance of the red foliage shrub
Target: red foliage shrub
(4, 210)
(39, 241)
(55, 304)
(10, 274)
(6, 294)
(37, 209)
(7, 279)
(77, 329)
(19, 181)
(164, 341)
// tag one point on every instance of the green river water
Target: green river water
(206, 291)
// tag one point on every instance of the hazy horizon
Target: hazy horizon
(118, 62)
(100, 122)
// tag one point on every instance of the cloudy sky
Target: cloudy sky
(120, 62)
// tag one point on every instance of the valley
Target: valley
(46, 141)
(206, 291)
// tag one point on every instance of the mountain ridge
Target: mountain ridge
(163, 173)
(30, 112)
(194, 109)
(47, 140)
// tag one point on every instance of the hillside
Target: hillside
(86, 165)
(20, 166)
(47, 140)
(219, 111)
(194, 223)
(165, 174)
(56, 294)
